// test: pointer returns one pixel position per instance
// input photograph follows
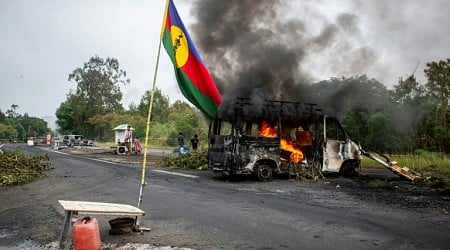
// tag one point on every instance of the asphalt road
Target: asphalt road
(207, 212)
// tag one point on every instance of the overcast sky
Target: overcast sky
(43, 41)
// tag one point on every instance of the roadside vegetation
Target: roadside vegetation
(411, 120)
(410, 116)
(435, 167)
(192, 160)
(16, 127)
(17, 168)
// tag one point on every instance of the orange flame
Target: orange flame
(296, 154)
(266, 130)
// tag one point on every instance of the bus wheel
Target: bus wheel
(264, 173)
(350, 169)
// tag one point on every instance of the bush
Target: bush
(193, 160)
(428, 154)
(17, 168)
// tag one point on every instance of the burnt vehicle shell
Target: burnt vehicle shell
(324, 145)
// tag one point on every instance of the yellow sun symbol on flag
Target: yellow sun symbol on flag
(180, 45)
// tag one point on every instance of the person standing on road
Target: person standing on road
(194, 142)
(180, 139)
(128, 138)
(181, 148)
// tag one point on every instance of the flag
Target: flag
(193, 77)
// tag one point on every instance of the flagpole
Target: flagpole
(147, 130)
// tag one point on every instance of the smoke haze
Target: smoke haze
(257, 51)
(276, 49)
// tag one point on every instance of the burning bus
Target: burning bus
(279, 137)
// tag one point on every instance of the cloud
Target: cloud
(44, 41)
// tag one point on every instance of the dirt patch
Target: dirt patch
(371, 185)
(383, 187)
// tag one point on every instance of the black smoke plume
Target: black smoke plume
(253, 50)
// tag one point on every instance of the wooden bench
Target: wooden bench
(86, 207)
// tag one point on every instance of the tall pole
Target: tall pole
(147, 130)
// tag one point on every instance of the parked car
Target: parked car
(72, 140)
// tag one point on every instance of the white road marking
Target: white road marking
(82, 157)
(155, 170)
(54, 151)
(174, 173)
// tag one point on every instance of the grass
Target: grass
(429, 164)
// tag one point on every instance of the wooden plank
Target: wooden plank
(100, 208)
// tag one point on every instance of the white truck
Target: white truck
(281, 137)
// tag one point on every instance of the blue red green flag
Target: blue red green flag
(193, 78)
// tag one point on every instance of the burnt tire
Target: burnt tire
(350, 169)
(264, 173)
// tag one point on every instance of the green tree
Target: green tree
(12, 113)
(438, 89)
(355, 123)
(188, 120)
(380, 134)
(105, 123)
(12, 120)
(2, 116)
(34, 126)
(342, 95)
(438, 86)
(428, 131)
(17, 126)
(7, 131)
(408, 91)
(21, 132)
(160, 106)
(65, 115)
(411, 109)
(133, 109)
(97, 93)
